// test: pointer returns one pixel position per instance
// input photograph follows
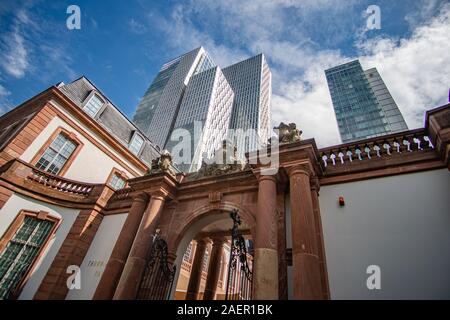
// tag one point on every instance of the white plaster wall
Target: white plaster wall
(9, 212)
(91, 164)
(290, 275)
(97, 256)
(400, 223)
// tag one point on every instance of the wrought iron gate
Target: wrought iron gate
(157, 280)
(239, 282)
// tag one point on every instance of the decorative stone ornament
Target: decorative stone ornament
(162, 164)
(224, 161)
(288, 133)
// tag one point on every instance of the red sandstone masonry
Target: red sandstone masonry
(17, 146)
(72, 252)
(5, 194)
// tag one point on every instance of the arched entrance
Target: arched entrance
(203, 254)
(180, 207)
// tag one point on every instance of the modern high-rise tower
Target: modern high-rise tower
(157, 111)
(203, 120)
(251, 81)
(190, 93)
(363, 105)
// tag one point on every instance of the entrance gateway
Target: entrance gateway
(158, 277)
(194, 206)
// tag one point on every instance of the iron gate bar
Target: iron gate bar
(239, 280)
(157, 279)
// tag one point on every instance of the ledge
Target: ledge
(28, 180)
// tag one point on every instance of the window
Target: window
(187, 255)
(117, 181)
(57, 153)
(136, 143)
(93, 105)
(20, 248)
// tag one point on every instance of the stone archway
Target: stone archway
(200, 218)
(178, 202)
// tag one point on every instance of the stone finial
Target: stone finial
(165, 160)
(288, 133)
(225, 160)
(162, 164)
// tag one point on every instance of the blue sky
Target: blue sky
(122, 45)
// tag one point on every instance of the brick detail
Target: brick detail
(5, 194)
(72, 252)
(25, 137)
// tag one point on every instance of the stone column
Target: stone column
(319, 238)
(305, 260)
(213, 269)
(265, 265)
(135, 265)
(196, 270)
(111, 274)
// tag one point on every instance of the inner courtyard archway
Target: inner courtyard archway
(203, 254)
(183, 208)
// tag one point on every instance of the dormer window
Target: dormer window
(93, 106)
(136, 143)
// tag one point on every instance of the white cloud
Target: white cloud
(14, 58)
(5, 103)
(136, 26)
(415, 69)
(32, 45)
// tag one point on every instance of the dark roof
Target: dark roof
(110, 117)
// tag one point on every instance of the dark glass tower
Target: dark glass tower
(363, 105)
(157, 111)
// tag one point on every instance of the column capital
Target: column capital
(201, 241)
(158, 195)
(141, 197)
(297, 169)
(217, 240)
(260, 177)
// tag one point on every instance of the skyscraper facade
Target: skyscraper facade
(387, 103)
(157, 111)
(251, 81)
(203, 119)
(190, 93)
(363, 106)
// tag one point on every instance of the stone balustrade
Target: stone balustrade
(27, 177)
(375, 148)
(59, 183)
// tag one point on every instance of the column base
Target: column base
(130, 280)
(106, 291)
(307, 282)
(265, 274)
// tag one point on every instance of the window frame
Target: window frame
(88, 99)
(121, 174)
(14, 227)
(70, 135)
(131, 141)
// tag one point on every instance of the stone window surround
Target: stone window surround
(72, 136)
(12, 229)
(118, 172)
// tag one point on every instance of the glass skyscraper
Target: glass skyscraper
(157, 111)
(251, 81)
(362, 103)
(193, 95)
(204, 116)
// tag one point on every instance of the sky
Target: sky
(121, 45)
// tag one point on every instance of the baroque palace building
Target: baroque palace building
(90, 208)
